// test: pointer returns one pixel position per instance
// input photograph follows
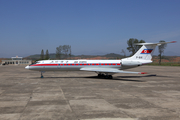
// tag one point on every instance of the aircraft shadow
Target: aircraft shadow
(92, 77)
(115, 78)
(118, 78)
(136, 76)
(54, 77)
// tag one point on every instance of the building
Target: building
(17, 61)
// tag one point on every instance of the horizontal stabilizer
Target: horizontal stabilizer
(154, 43)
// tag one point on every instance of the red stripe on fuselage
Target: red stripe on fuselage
(75, 64)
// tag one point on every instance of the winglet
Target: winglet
(173, 41)
(143, 73)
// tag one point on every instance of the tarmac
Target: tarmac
(83, 96)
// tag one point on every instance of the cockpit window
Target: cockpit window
(35, 63)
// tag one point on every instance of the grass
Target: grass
(166, 64)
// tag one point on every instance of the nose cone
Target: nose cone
(27, 67)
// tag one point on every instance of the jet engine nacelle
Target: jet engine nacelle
(130, 63)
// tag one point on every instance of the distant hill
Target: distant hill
(113, 55)
(38, 56)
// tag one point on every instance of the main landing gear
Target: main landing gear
(105, 76)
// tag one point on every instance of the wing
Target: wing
(109, 70)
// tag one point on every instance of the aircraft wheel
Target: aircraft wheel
(103, 76)
(110, 77)
(100, 75)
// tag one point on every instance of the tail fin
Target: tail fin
(146, 51)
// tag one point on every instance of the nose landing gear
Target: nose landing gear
(42, 74)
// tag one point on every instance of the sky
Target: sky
(91, 27)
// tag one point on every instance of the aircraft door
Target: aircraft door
(99, 64)
(59, 66)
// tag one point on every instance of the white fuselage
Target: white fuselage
(73, 65)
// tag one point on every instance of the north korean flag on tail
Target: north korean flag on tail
(146, 51)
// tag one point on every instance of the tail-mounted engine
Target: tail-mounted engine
(129, 63)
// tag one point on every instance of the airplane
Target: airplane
(104, 68)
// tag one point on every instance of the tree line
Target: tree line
(132, 47)
(62, 52)
(46, 57)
